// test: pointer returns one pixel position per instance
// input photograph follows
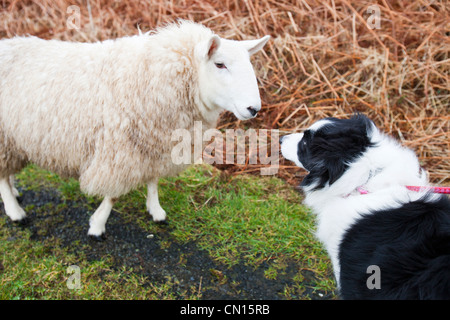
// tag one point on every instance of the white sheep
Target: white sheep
(103, 112)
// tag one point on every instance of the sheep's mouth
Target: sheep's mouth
(239, 115)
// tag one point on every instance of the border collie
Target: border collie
(384, 240)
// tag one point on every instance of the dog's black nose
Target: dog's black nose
(281, 139)
(253, 112)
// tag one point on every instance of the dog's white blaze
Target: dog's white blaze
(319, 124)
(289, 147)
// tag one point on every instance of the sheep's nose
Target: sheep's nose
(281, 139)
(252, 111)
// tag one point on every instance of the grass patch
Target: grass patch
(33, 270)
(256, 222)
(253, 219)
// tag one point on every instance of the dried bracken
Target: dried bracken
(326, 58)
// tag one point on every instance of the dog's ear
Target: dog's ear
(329, 173)
(336, 169)
(364, 123)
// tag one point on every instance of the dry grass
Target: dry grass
(323, 59)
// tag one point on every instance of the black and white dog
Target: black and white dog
(384, 240)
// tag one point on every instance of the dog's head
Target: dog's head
(327, 148)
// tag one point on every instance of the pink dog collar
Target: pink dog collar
(443, 190)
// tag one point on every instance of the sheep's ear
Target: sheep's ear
(213, 45)
(206, 49)
(254, 46)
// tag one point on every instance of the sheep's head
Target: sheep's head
(226, 77)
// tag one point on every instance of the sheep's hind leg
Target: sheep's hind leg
(12, 207)
(99, 218)
(153, 206)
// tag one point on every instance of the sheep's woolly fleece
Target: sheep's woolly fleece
(86, 111)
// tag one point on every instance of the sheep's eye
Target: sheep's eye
(220, 65)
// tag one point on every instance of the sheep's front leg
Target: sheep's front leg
(11, 183)
(153, 206)
(99, 218)
(12, 208)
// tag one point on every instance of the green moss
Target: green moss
(243, 220)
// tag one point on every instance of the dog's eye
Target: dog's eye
(302, 145)
(220, 65)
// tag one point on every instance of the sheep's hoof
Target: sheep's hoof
(22, 222)
(98, 238)
(19, 199)
(161, 222)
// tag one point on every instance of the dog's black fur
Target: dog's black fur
(411, 247)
